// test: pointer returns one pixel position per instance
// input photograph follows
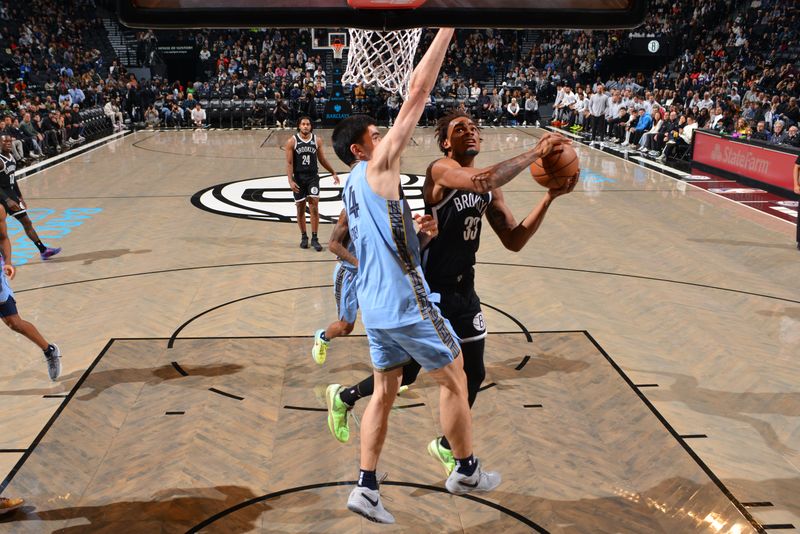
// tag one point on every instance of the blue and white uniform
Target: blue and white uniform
(401, 321)
(344, 288)
(8, 305)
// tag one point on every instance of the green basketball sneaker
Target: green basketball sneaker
(337, 413)
(445, 456)
(320, 350)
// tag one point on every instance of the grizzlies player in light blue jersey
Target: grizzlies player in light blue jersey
(401, 322)
(344, 290)
(8, 306)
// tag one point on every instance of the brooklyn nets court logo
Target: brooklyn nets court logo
(270, 199)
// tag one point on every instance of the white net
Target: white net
(383, 58)
(338, 49)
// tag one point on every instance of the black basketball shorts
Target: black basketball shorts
(462, 307)
(8, 308)
(13, 195)
(309, 186)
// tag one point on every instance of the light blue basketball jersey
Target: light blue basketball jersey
(351, 248)
(5, 289)
(392, 291)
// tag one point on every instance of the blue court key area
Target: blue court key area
(50, 224)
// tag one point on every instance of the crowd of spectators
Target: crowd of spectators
(741, 80)
(52, 68)
(736, 75)
(280, 71)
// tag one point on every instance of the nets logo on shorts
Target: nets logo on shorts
(269, 198)
(478, 323)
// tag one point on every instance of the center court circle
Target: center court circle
(268, 198)
(219, 518)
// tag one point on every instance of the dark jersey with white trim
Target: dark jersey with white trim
(305, 155)
(451, 256)
(8, 166)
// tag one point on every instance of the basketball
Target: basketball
(554, 170)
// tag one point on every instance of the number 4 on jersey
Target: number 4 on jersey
(353, 205)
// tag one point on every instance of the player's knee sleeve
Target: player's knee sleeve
(474, 367)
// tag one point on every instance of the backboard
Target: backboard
(383, 14)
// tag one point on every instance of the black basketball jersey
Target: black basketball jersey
(452, 254)
(8, 166)
(305, 155)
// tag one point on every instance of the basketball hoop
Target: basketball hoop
(382, 58)
(338, 49)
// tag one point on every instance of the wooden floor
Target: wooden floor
(662, 387)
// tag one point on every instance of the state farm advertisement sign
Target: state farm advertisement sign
(754, 162)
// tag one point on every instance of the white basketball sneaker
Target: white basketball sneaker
(367, 502)
(479, 481)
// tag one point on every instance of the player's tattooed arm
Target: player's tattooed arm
(339, 236)
(514, 235)
(447, 173)
(501, 173)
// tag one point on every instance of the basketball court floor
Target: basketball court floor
(641, 364)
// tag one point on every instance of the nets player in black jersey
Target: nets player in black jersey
(11, 197)
(303, 150)
(458, 195)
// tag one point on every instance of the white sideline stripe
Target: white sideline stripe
(53, 161)
(660, 166)
(784, 210)
(564, 132)
(690, 184)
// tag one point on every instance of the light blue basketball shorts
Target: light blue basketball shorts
(431, 342)
(344, 290)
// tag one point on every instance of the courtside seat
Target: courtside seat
(213, 111)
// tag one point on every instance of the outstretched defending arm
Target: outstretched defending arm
(384, 167)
